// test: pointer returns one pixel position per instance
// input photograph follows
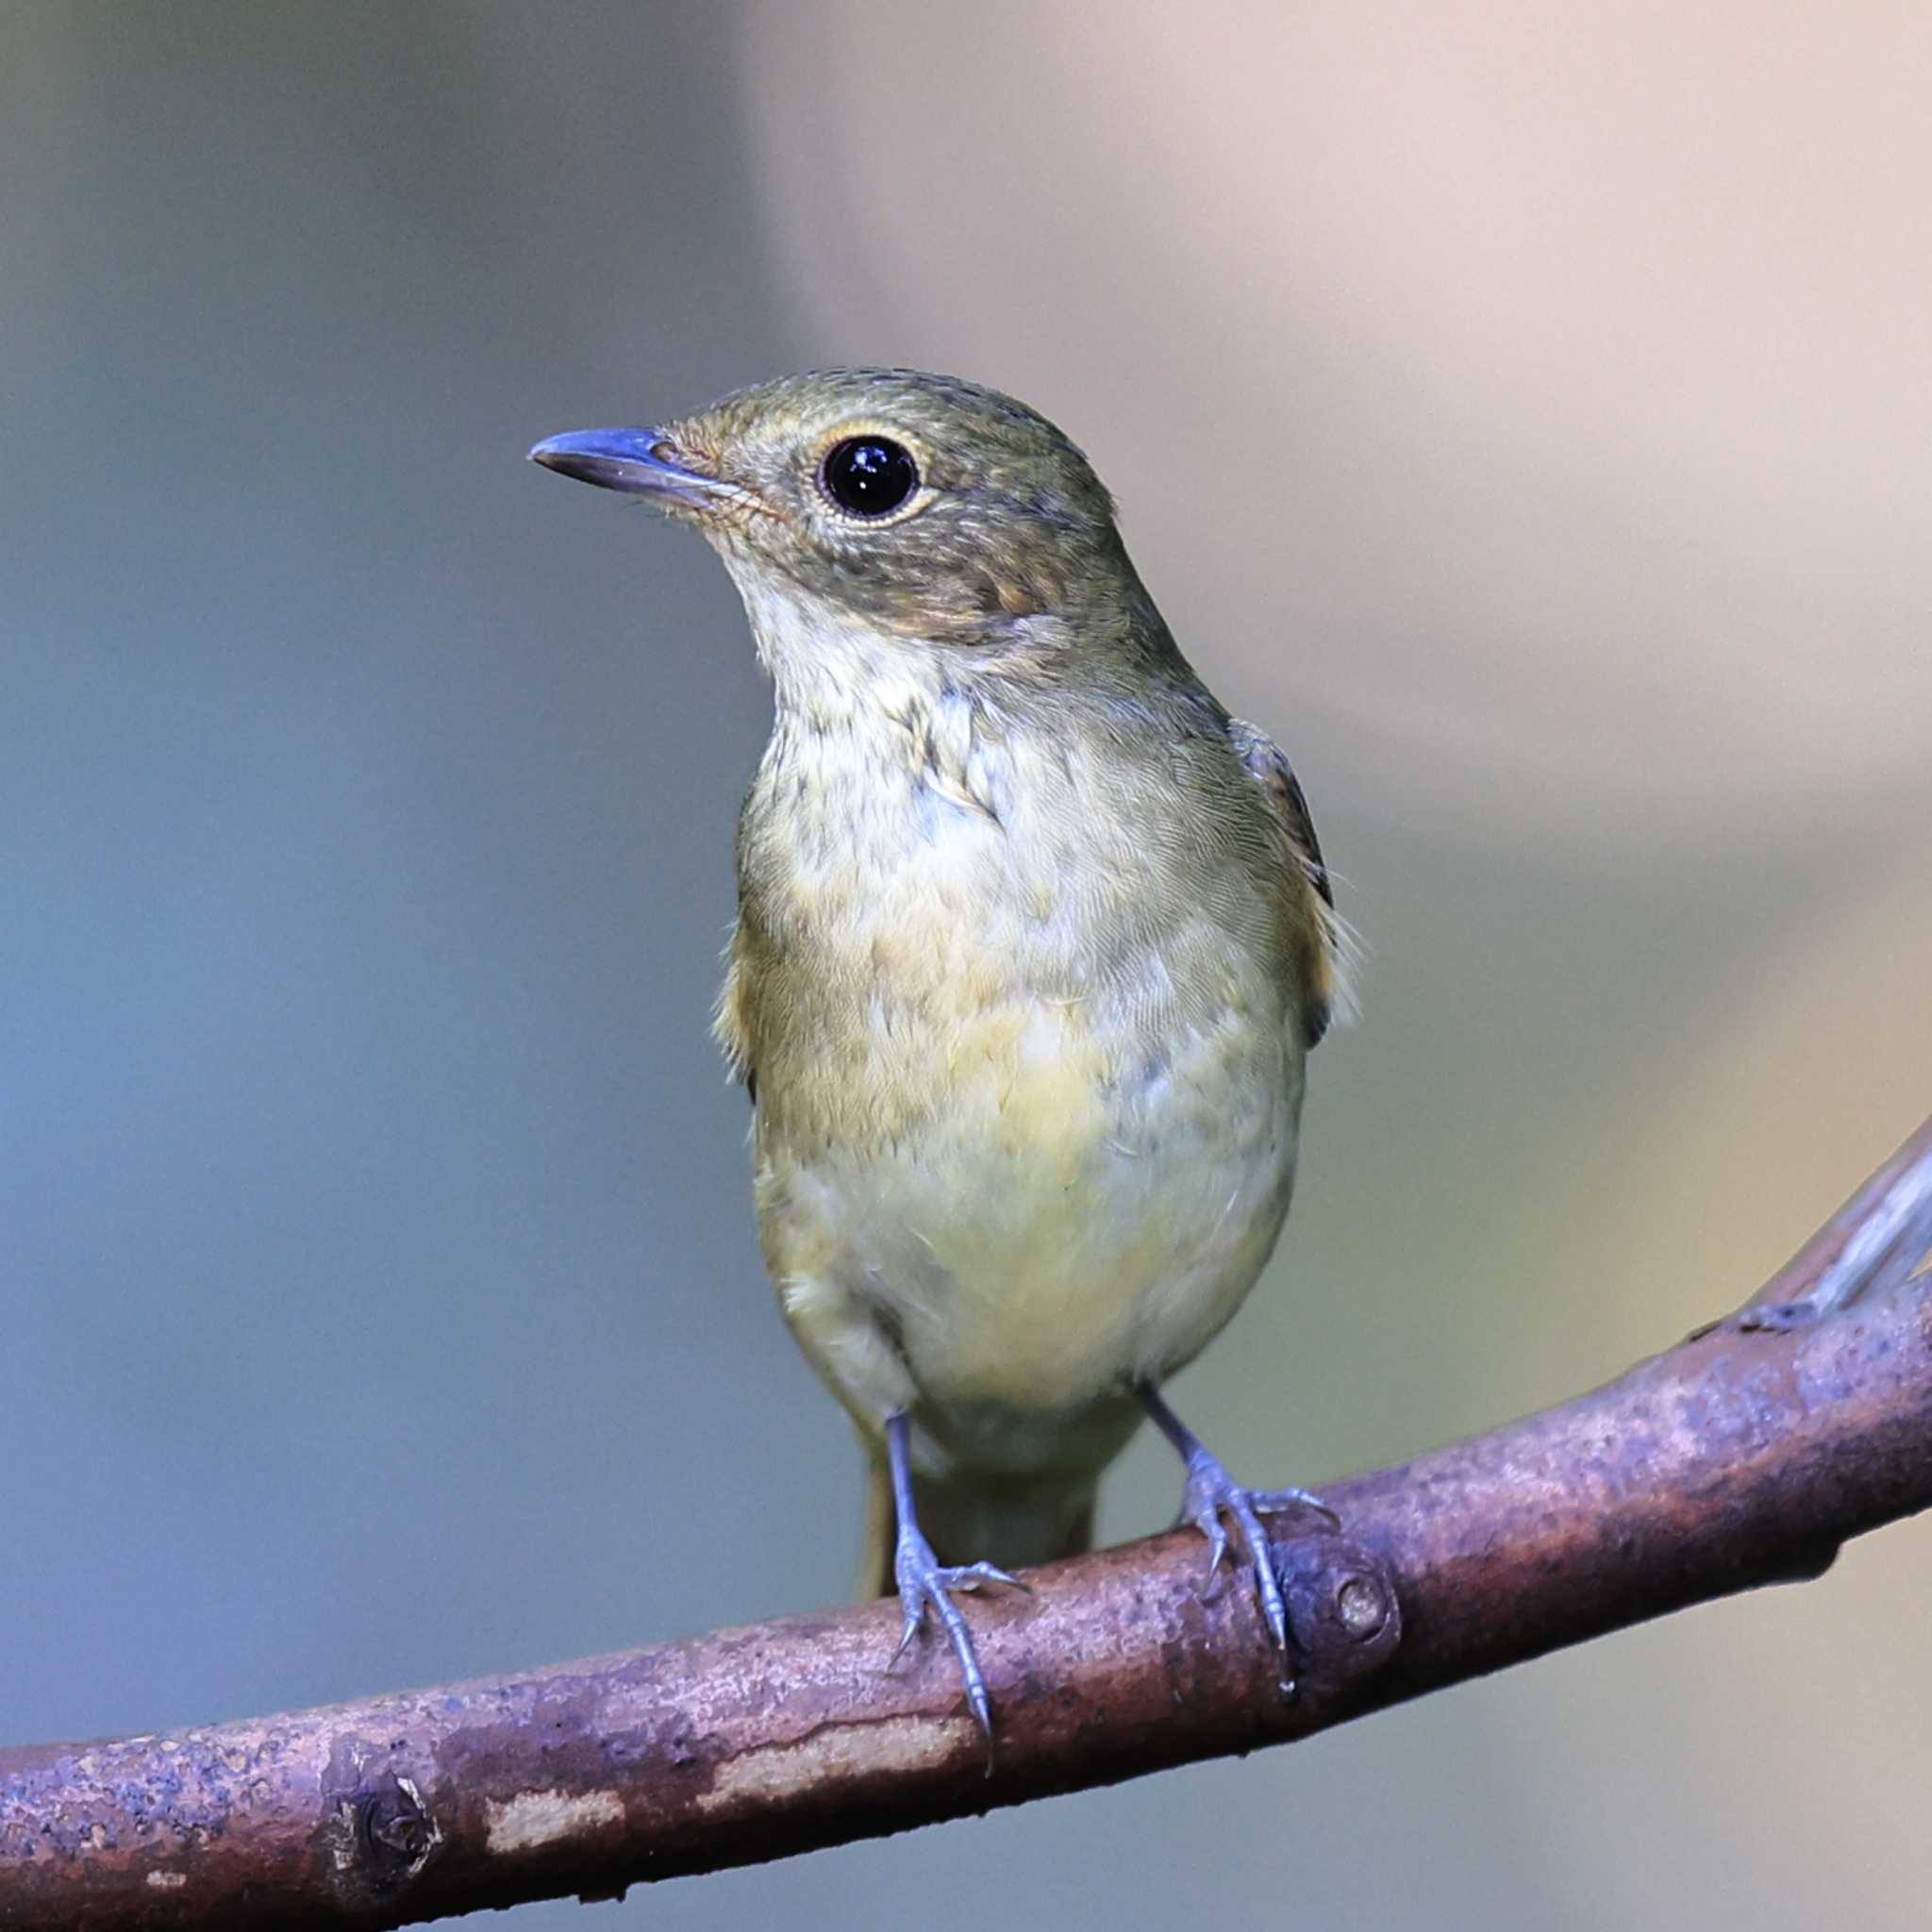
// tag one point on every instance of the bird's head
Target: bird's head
(915, 506)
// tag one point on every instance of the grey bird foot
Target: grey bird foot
(1212, 1500)
(924, 1583)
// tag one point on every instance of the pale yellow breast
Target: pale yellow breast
(1049, 1231)
(1026, 1079)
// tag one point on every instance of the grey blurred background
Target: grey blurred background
(1524, 411)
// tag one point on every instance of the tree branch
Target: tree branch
(1744, 1456)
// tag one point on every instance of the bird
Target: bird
(1033, 940)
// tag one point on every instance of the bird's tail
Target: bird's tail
(1010, 1521)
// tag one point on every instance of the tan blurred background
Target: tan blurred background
(1523, 411)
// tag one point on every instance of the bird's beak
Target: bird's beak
(639, 461)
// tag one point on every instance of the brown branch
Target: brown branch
(1745, 1456)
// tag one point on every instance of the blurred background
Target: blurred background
(1522, 411)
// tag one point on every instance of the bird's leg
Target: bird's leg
(924, 1582)
(1211, 1495)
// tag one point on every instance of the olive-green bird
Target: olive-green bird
(1033, 938)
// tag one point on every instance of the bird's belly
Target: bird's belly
(1066, 1219)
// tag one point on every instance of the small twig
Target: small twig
(1745, 1456)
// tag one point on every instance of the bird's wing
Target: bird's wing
(1327, 953)
(731, 1022)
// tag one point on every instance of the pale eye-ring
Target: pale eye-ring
(868, 476)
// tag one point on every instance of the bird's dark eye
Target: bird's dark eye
(868, 476)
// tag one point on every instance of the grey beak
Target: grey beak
(636, 461)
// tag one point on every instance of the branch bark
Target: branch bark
(1744, 1456)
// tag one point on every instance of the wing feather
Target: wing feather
(1325, 967)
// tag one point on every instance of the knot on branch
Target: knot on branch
(1342, 1607)
(377, 1832)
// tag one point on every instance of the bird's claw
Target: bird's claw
(1279, 1502)
(924, 1583)
(1211, 1501)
